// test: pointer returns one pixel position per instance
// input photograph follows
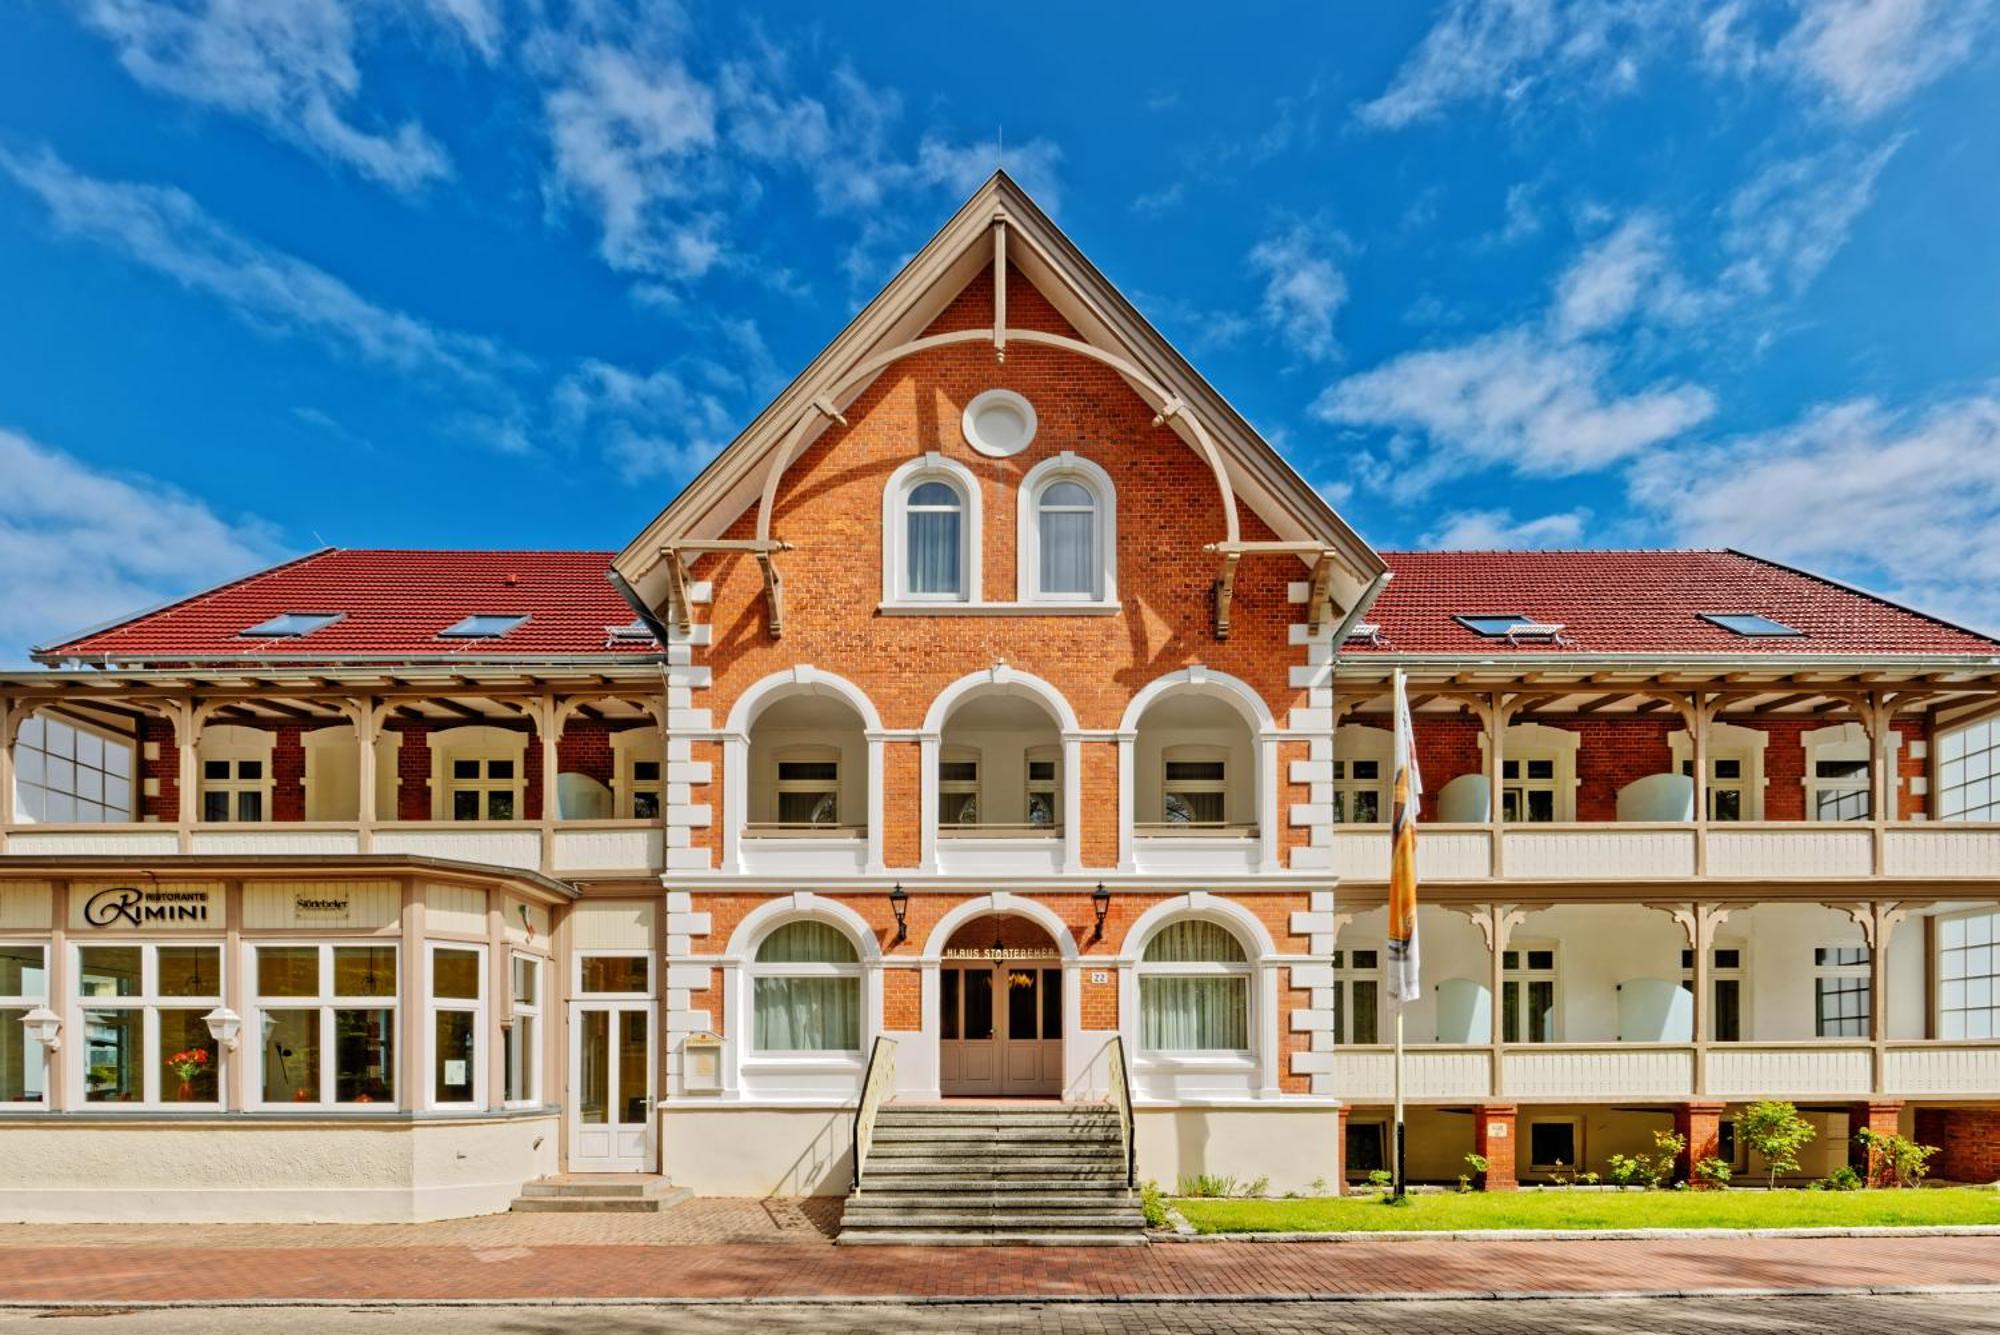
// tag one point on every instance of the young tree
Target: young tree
(1775, 1130)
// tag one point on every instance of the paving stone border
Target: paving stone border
(1184, 1232)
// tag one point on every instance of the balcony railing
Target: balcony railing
(1000, 831)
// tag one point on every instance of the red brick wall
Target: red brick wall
(413, 767)
(167, 769)
(1497, 1149)
(1968, 1140)
(585, 748)
(288, 773)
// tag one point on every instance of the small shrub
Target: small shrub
(1649, 1170)
(1212, 1185)
(1843, 1178)
(1629, 1171)
(1893, 1160)
(1317, 1187)
(1383, 1181)
(1256, 1186)
(1153, 1204)
(1712, 1174)
(1775, 1130)
(1475, 1166)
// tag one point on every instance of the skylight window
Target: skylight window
(482, 626)
(637, 630)
(1750, 624)
(291, 625)
(1494, 625)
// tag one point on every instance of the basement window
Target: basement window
(1749, 624)
(482, 626)
(291, 625)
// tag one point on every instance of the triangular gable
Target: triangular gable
(1001, 220)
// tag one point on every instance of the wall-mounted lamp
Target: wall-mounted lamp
(1100, 904)
(43, 1026)
(899, 904)
(224, 1026)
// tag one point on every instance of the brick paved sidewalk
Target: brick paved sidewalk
(724, 1249)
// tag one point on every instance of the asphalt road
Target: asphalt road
(1928, 1314)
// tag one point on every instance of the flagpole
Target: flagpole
(1398, 1150)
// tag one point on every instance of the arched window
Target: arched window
(1194, 990)
(1068, 544)
(806, 990)
(935, 513)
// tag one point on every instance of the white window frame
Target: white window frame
(577, 990)
(152, 1050)
(325, 1001)
(1524, 974)
(896, 532)
(630, 749)
(528, 1053)
(27, 1001)
(1847, 741)
(815, 755)
(1738, 973)
(33, 761)
(1357, 742)
(753, 969)
(433, 1004)
(1968, 941)
(1728, 741)
(1067, 467)
(1245, 969)
(1524, 742)
(1050, 787)
(482, 744)
(1864, 971)
(232, 745)
(1350, 978)
(973, 787)
(1968, 758)
(1191, 753)
(1527, 1129)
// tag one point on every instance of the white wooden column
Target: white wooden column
(735, 798)
(1072, 801)
(9, 730)
(1267, 801)
(877, 755)
(927, 804)
(1128, 755)
(365, 725)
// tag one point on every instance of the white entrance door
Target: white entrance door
(1000, 1029)
(612, 1072)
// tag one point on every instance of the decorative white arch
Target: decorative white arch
(1240, 921)
(803, 679)
(773, 914)
(1000, 680)
(1261, 1080)
(1199, 680)
(1249, 705)
(1000, 902)
(895, 533)
(1026, 518)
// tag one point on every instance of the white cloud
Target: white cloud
(1497, 530)
(1303, 289)
(1907, 502)
(1785, 226)
(79, 546)
(167, 231)
(647, 424)
(1511, 399)
(1868, 55)
(1610, 279)
(289, 65)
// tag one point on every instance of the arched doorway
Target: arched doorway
(1000, 1002)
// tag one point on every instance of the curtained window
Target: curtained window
(935, 515)
(806, 990)
(1066, 514)
(1194, 990)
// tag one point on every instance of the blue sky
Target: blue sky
(280, 273)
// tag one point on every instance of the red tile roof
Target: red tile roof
(1641, 602)
(394, 603)
(391, 603)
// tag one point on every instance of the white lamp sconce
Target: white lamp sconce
(43, 1026)
(225, 1026)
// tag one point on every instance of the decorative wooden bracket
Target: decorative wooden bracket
(677, 592)
(774, 593)
(679, 554)
(1225, 589)
(1317, 602)
(1233, 552)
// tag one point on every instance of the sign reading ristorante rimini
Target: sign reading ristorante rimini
(125, 908)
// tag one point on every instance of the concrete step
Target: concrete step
(941, 1135)
(998, 1221)
(874, 1185)
(902, 1237)
(599, 1194)
(862, 1211)
(991, 1149)
(600, 1184)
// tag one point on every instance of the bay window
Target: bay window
(67, 773)
(24, 986)
(144, 1034)
(806, 990)
(1194, 990)
(324, 1018)
(458, 1025)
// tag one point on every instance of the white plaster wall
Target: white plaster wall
(842, 732)
(736, 1151)
(267, 1172)
(1597, 948)
(1003, 768)
(1290, 1146)
(1230, 734)
(1449, 946)
(1778, 941)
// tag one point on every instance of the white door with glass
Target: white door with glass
(613, 1128)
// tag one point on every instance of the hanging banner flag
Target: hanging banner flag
(1408, 791)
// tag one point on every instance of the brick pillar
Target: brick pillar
(1883, 1115)
(1494, 1141)
(1701, 1125)
(1339, 1183)
(1968, 1140)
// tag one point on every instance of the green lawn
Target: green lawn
(1598, 1209)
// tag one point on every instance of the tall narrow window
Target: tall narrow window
(935, 515)
(1528, 789)
(1725, 984)
(483, 788)
(1968, 973)
(1067, 515)
(1841, 991)
(24, 986)
(1357, 995)
(645, 786)
(458, 1052)
(1194, 990)
(523, 1055)
(806, 990)
(1725, 788)
(1528, 996)
(1044, 805)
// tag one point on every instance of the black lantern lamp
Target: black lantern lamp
(899, 904)
(1100, 904)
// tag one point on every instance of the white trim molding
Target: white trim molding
(895, 532)
(1065, 467)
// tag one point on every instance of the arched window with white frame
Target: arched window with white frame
(930, 533)
(805, 990)
(1194, 990)
(1068, 547)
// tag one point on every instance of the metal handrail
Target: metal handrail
(1121, 1092)
(876, 1085)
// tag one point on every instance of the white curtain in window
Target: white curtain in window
(808, 1014)
(1068, 523)
(1194, 941)
(807, 942)
(1194, 1013)
(936, 518)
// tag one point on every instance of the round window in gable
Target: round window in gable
(999, 423)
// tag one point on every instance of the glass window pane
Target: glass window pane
(936, 550)
(520, 1059)
(948, 1002)
(215, 806)
(288, 971)
(1023, 1009)
(807, 942)
(364, 971)
(1068, 551)
(291, 1056)
(113, 1071)
(978, 1003)
(23, 1062)
(453, 1053)
(1551, 1143)
(215, 769)
(499, 769)
(364, 1056)
(645, 806)
(189, 1062)
(455, 975)
(1194, 1014)
(465, 805)
(808, 1014)
(190, 971)
(633, 1047)
(1052, 1003)
(108, 971)
(1366, 994)
(22, 973)
(616, 973)
(500, 806)
(527, 982)
(249, 806)
(464, 769)
(1192, 941)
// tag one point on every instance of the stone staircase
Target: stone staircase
(994, 1175)
(599, 1193)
